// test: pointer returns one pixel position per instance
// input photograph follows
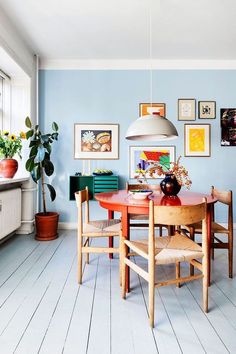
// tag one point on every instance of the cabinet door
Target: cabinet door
(10, 211)
(78, 183)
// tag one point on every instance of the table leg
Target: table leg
(209, 218)
(126, 234)
(110, 216)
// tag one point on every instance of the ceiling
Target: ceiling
(120, 29)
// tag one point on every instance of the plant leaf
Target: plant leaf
(52, 192)
(28, 122)
(29, 133)
(40, 154)
(49, 168)
(45, 137)
(33, 151)
(36, 173)
(54, 126)
(48, 148)
(30, 164)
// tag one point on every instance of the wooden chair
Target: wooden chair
(143, 218)
(225, 198)
(169, 249)
(90, 229)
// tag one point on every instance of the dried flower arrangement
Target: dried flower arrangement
(174, 168)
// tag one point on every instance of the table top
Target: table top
(123, 198)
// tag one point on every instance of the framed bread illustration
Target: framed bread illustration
(96, 141)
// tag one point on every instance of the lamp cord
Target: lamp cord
(150, 51)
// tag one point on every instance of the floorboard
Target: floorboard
(44, 310)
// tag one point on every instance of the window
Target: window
(1, 102)
(5, 89)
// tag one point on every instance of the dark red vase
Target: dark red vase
(8, 168)
(169, 185)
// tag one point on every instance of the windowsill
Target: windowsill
(13, 180)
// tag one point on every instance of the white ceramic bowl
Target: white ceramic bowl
(140, 194)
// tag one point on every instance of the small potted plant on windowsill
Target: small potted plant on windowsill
(10, 145)
(39, 165)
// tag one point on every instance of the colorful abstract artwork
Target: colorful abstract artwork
(152, 108)
(143, 157)
(197, 139)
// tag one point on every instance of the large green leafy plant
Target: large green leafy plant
(39, 162)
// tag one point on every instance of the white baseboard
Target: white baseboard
(67, 225)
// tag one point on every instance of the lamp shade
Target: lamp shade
(151, 127)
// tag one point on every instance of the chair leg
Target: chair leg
(205, 284)
(160, 231)
(123, 272)
(191, 235)
(212, 247)
(151, 294)
(230, 255)
(177, 272)
(80, 257)
(120, 258)
(87, 254)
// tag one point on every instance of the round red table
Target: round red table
(121, 201)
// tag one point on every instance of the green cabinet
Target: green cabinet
(96, 184)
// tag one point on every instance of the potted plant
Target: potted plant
(10, 145)
(39, 165)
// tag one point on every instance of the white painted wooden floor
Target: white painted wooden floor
(43, 310)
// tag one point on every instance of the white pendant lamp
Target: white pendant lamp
(153, 126)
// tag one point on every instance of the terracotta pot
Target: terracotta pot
(46, 226)
(8, 168)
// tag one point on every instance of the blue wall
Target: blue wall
(113, 96)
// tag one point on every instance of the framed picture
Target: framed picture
(186, 109)
(197, 139)
(228, 126)
(206, 109)
(143, 157)
(150, 108)
(96, 141)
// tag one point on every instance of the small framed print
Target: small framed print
(186, 109)
(197, 140)
(206, 109)
(152, 108)
(96, 141)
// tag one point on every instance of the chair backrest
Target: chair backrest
(225, 197)
(176, 215)
(140, 186)
(82, 197)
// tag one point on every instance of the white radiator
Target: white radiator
(10, 211)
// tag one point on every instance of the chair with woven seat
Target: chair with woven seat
(225, 198)
(142, 220)
(169, 249)
(90, 229)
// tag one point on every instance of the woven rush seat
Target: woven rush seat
(214, 228)
(169, 249)
(139, 217)
(102, 226)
